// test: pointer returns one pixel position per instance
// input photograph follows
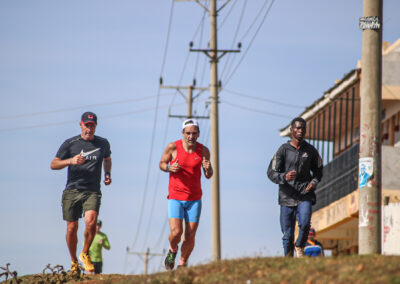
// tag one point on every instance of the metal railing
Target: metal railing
(340, 177)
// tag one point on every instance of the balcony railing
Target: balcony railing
(340, 177)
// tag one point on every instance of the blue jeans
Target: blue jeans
(302, 213)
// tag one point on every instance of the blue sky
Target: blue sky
(61, 58)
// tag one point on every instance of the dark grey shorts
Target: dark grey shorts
(75, 202)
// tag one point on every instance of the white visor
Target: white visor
(190, 122)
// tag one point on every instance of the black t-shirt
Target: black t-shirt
(88, 175)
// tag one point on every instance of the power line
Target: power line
(250, 44)
(254, 110)
(203, 71)
(74, 121)
(254, 21)
(171, 13)
(229, 62)
(227, 15)
(154, 129)
(199, 27)
(156, 187)
(159, 241)
(263, 99)
(171, 104)
(78, 107)
(200, 41)
(148, 170)
(181, 77)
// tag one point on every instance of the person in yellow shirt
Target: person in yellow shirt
(100, 241)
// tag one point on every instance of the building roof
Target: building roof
(390, 83)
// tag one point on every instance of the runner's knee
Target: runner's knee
(176, 232)
(90, 218)
(189, 236)
(72, 227)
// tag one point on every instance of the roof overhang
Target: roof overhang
(390, 93)
(328, 96)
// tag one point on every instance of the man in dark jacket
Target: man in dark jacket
(291, 168)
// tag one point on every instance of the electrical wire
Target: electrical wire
(181, 77)
(203, 72)
(158, 175)
(263, 99)
(254, 21)
(200, 42)
(171, 105)
(161, 236)
(74, 121)
(227, 15)
(250, 44)
(254, 110)
(229, 62)
(154, 129)
(156, 187)
(207, 136)
(171, 14)
(200, 26)
(78, 107)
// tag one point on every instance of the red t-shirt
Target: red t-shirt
(185, 184)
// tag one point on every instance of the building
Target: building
(333, 127)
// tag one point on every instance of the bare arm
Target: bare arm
(207, 168)
(58, 164)
(168, 156)
(107, 170)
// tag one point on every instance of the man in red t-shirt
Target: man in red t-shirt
(183, 159)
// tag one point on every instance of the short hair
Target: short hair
(299, 119)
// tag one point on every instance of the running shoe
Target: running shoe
(299, 252)
(87, 263)
(75, 268)
(170, 260)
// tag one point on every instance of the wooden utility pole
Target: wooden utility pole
(215, 202)
(370, 164)
(189, 99)
(214, 54)
(145, 257)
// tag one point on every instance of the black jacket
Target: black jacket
(303, 161)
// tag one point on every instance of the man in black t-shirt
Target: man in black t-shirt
(84, 155)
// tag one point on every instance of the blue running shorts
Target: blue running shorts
(179, 209)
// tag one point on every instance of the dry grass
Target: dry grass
(346, 269)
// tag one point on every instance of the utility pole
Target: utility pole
(370, 134)
(212, 53)
(145, 257)
(189, 98)
(215, 201)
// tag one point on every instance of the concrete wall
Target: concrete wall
(390, 167)
(391, 66)
(391, 229)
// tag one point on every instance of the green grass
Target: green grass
(345, 269)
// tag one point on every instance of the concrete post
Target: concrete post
(190, 101)
(370, 134)
(215, 200)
